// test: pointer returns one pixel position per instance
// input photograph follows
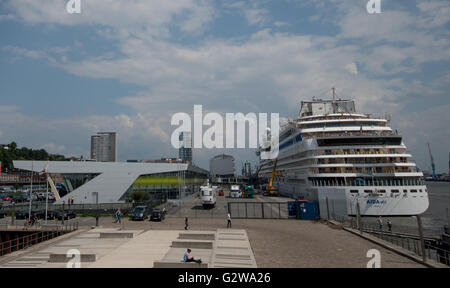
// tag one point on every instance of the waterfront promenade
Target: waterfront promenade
(274, 243)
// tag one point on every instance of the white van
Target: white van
(208, 196)
(235, 191)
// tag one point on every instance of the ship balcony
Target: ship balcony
(320, 134)
(378, 170)
(367, 181)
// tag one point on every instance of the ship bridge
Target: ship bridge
(324, 107)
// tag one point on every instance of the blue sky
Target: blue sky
(128, 66)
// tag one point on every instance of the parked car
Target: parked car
(69, 214)
(41, 214)
(22, 214)
(140, 213)
(6, 198)
(157, 215)
(20, 199)
(51, 215)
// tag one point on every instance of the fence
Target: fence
(259, 210)
(434, 250)
(19, 243)
(107, 208)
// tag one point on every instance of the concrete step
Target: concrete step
(193, 244)
(104, 235)
(62, 258)
(162, 264)
(197, 236)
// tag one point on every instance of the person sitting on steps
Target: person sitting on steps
(188, 258)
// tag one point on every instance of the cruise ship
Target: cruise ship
(350, 163)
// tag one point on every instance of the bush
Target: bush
(139, 196)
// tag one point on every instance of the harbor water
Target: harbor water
(433, 220)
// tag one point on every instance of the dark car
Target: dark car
(20, 199)
(41, 214)
(139, 213)
(51, 215)
(67, 215)
(157, 215)
(22, 214)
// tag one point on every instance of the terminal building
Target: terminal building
(222, 169)
(116, 181)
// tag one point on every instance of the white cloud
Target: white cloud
(7, 17)
(351, 68)
(139, 16)
(53, 148)
(436, 13)
(256, 16)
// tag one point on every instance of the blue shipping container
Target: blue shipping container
(308, 211)
(292, 208)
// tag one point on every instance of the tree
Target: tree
(10, 153)
(139, 196)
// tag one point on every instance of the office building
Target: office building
(104, 147)
(185, 150)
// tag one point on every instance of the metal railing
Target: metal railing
(433, 248)
(81, 208)
(23, 242)
(259, 210)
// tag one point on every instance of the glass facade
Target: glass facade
(171, 185)
(66, 183)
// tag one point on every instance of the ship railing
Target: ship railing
(320, 134)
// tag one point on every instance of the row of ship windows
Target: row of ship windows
(350, 152)
(392, 191)
(343, 124)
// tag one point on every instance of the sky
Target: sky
(129, 65)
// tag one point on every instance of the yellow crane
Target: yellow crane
(272, 191)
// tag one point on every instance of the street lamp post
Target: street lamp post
(31, 192)
(96, 202)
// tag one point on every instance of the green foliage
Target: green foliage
(11, 152)
(139, 196)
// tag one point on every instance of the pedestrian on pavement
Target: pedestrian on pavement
(186, 223)
(71, 202)
(118, 214)
(229, 220)
(380, 223)
(389, 223)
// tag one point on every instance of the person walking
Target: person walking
(71, 202)
(228, 220)
(118, 216)
(389, 224)
(186, 223)
(380, 223)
